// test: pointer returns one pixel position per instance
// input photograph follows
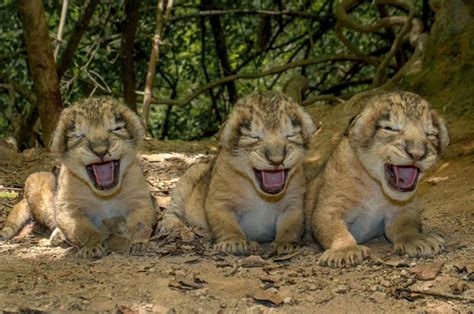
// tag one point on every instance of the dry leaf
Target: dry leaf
(428, 271)
(268, 296)
(185, 285)
(252, 261)
(269, 279)
(286, 257)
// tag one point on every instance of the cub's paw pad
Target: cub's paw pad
(282, 248)
(344, 257)
(420, 244)
(91, 251)
(236, 246)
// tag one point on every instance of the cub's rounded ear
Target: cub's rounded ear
(135, 125)
(440, 125)
(228, 131)
(351, 124)
(221, 130)
(308, 126)
(58, 141)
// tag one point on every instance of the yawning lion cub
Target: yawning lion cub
(367, 186)
(99, 180)
(253, 190)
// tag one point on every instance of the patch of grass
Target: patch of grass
(8, 195)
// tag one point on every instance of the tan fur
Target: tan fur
(94, 130)
(265, 131)
(351, 201)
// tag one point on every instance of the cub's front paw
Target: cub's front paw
(419, 244)
(344, 257)
(170, 224)
(98, 250)
(236, 246)
(282, 248)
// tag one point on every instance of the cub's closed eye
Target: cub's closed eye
(432, 134)
(77, 136)
(390, 129)
(116, 129)
(254, 137)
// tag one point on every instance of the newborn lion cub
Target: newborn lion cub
(253, 190)
(99, 178)
(367, 186)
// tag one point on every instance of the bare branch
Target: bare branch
(76, 35)
(150, 76)
(62, 21)
(245, 12)
(271, 71)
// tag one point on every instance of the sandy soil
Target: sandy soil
(183, 275)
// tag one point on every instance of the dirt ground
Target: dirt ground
(182, 274)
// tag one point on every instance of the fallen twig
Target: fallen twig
(6, 204)
(401, 291)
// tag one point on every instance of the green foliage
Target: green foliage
(188, 52)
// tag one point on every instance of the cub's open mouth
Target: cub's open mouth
(104, 175)
(402, 178)
(271, 181)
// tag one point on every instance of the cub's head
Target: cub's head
(96, 139)
(398, 137)
(266, 135)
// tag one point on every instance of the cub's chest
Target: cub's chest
(367, 220)
(100, 210)
(259, 218)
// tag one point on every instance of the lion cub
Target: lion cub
(367, 186)
(99, 179)
(253, 190)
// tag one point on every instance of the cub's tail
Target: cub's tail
(17, 218)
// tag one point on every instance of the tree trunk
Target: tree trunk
(221, 48)
(446, 72)
(128, 42)
(41, 64)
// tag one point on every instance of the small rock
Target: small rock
(378, 296)
(341, 289)
(180, 273)
(288, 300)
(386, 283)
(405, 274)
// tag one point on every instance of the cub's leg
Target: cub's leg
(290, 228)
(37, 203)
(81, 232)
(403, 229)
(140, 225)
(229, 236)
(331, 231)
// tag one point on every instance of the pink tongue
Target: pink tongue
(405, 176)
(104, 173)
(273, 179)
